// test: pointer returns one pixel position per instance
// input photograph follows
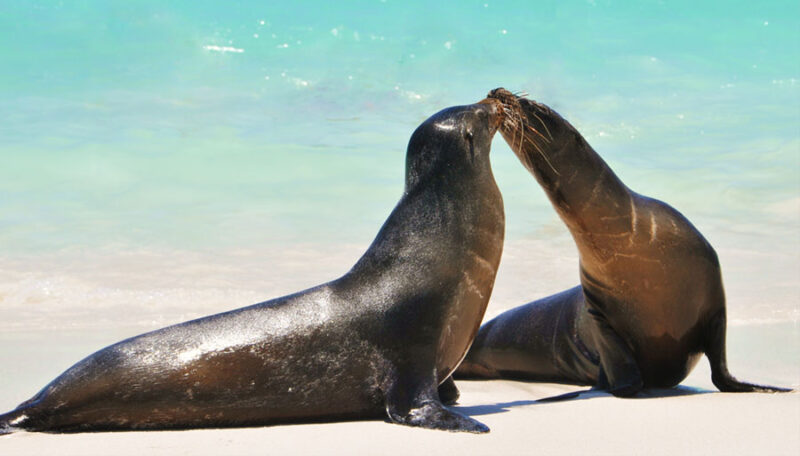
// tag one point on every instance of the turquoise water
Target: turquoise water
(140, 123)
(181, 158)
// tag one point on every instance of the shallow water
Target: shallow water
(166, 161)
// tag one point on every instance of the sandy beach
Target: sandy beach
(691, 419)
(674, 421)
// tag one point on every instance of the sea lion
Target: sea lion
(375, 342)
(651, 300)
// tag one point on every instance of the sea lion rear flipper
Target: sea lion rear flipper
(619, 372)
(715, 351)
(448, 391)
(416, 403)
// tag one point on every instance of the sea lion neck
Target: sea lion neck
(583, 189)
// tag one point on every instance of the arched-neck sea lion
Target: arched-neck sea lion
(651, 300)
(374, 342)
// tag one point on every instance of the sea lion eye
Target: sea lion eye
(468, 135)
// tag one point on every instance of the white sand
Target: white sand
(46, 325)
(677, 421)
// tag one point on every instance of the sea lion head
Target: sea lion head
(457, 138)
(529, 123)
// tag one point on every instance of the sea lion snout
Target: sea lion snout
(500, 93)
(496, 113)
(505, 98)
(508, 105)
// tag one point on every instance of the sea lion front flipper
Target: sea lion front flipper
(448, 391)
(434, 415)
(416, 403)
(715, 351)
(619, 373)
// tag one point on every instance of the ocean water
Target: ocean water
(166, 160)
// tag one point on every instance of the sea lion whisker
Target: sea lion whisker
(544, 156)
(521, 129)
(509, 121)
(509, 116)
(544, 125)
(530, 127)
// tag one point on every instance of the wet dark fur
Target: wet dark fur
(375, 342)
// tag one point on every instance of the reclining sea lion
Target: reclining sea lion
(375, 342)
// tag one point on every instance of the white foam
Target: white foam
(300, 82)
(414, 96)
(151, 289)
(216, 48)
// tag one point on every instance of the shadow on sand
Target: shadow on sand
(651, 393)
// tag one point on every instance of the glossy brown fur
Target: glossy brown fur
(651, 299)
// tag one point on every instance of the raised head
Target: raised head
(457, 138)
